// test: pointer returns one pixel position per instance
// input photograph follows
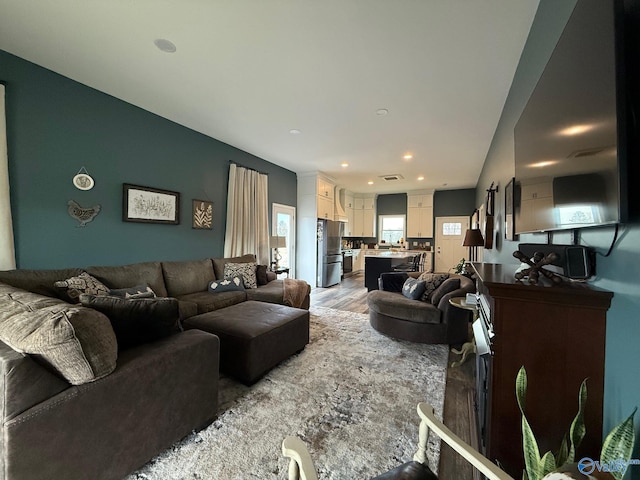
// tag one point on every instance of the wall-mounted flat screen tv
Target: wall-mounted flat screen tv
(570, 138)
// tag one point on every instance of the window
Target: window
(452, 228)
(391, 228)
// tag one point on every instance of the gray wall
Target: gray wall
(618, 272)
(56, 126)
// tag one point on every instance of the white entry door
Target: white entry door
(449, 236)
(283, 224)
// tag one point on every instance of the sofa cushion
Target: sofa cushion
(396, 305)
(448, 286)
(272, 292)
(137, 321)
(261, 275)
(432, 281)
(219, 263)
(413, 288)
(38, 281)
(227, 285)
(82, 283)
(124, 276)
(76, 342)
(245, 270)
(189, 276)
(207, 302)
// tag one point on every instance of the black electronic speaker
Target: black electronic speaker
(576, 261)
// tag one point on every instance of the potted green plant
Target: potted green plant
(614, 457)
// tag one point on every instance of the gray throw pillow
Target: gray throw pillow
(413, 288)
(448, 286)
(226, 285)
(76, 342)
(139, 320)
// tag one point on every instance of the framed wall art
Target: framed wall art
(202, 215)
(150, 205)
(509, 217)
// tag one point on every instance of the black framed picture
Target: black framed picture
(202, 215)
(150, 205)
(509, 206)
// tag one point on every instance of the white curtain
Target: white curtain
(7, 251)
(247, 214)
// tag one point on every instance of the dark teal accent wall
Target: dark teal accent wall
(56, 126)
(391, 204)
(618, 273)
(451, 203)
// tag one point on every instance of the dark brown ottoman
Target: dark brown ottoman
(254, 336)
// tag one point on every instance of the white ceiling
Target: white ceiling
(248, 71)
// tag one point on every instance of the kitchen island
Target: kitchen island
(381, 261)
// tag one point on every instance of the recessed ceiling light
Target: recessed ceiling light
(370, 182)
(420, 178)
(344, 164)
(165, 45)
(407, 156)
(544, 163)
(295, 131)
(382, 111)
(576, 130)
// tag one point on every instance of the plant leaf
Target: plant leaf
(578, 429)
(563, 453)
(529, 444)
(521, 387)
(619, 444)
(547, 464)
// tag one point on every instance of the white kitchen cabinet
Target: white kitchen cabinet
(364, 218)
(325, 198)
(348, 207)
(325, 207)
(536, 206)
(420, 216)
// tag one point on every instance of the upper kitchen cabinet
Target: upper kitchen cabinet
(363, 220)
(325, 197)
(420, 215)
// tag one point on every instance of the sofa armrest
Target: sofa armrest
(271, 276)
(24, 382)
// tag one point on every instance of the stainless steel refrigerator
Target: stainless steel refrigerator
(329, 253)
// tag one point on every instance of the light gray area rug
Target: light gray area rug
(351, 396)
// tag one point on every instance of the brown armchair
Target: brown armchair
(431, 321)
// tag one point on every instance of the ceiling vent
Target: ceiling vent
(392, 177)
(590, 152)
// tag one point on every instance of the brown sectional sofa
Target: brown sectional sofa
(158, 392)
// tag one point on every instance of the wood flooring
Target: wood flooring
(351, 295)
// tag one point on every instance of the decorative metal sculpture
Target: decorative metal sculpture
(536, 267)
(83, 215)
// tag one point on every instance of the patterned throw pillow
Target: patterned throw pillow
(247, 271)
(432, 281)
(83, 283)
(413, 288)
(226, 285)
(139, 291)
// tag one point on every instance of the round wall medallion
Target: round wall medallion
(83, 181)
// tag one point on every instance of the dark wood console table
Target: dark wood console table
(558, 334)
